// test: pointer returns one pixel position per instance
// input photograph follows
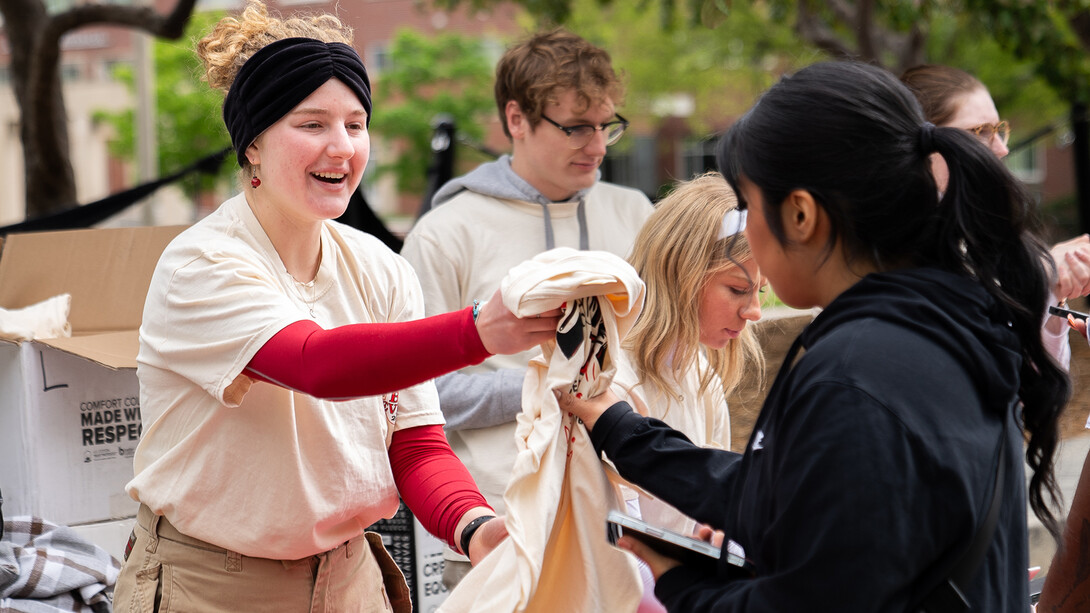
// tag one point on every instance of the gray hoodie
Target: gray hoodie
(498, 180)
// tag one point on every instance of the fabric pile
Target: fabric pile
(46, 568)
(45, 319)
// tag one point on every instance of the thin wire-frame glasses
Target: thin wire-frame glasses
(580, 135)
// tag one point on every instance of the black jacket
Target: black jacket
(871, 464)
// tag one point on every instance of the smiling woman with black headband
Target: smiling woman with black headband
(284, 371)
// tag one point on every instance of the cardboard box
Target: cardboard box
(112, 535)
(70, 414)
(418, 554)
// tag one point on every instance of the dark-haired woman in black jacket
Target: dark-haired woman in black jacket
(872, 467)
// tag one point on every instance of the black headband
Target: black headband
(280, 76)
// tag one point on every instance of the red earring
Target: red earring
(254, 181)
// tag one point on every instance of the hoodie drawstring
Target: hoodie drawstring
(550, 242)
(581, 216)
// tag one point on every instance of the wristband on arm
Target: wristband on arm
(470, 529)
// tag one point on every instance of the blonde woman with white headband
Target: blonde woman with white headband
(692, 340)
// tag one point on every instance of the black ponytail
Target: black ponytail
(989, 223)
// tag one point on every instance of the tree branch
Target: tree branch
(170, 26)
(1080, 25)
(48, 167)
(47, 51)
(842, 11)
(810, 27)
(911, 51)
(864, 30)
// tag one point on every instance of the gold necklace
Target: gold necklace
(308, 285)
(310, 290)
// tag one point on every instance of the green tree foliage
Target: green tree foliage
(1054, 35)
(1032, 54)
(427, 76)
(1021, 94)
(724, 52)
(189, 123)
(888, 32)
(1051, 38)
(720, 68)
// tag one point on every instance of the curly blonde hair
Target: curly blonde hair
(235, 39)
(675, 254)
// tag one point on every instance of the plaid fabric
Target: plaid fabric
(46, 568)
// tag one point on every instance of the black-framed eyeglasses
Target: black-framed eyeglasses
(580, 135)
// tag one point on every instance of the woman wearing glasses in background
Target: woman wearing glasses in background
(954, 98)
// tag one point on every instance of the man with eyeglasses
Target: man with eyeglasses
(556, 94)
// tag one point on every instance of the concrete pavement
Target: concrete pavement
(1072, 455)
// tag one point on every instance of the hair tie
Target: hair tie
(734, 221)
(927, 138)
(280, 76)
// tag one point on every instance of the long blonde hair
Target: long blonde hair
(676, 252)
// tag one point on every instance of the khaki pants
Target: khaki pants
(453, 572)
(167, 571)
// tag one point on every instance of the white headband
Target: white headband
(733, 223)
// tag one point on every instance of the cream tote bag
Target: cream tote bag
(557, 557)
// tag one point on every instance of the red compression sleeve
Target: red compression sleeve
(432, 481)
(367, 359)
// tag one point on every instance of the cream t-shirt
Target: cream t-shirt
(703, 417)
(260, 469)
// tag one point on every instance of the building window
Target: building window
(57, 6)
(111, 67)
(71, 72)
(220, 5)
(698, 156)
(633, 164)
(77, 40)
(1027, 164)
(378, 58)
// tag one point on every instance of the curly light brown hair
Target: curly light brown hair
(234, 40)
